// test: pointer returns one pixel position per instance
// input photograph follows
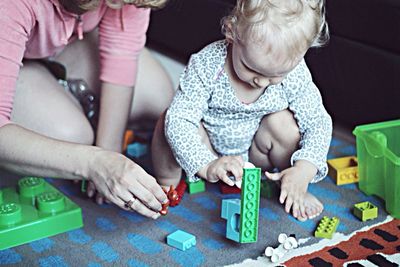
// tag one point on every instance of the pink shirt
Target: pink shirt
(42, 28)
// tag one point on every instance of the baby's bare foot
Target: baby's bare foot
(313, 207)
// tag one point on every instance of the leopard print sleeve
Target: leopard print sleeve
(184, 117)
(314, 122)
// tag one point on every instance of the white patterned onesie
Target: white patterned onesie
(206, 96)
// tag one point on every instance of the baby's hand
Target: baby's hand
(294, 184)
(223, 167)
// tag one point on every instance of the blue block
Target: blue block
(181, 240)
(136, 150)
(230, 211)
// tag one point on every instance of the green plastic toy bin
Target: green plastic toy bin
(378, 151)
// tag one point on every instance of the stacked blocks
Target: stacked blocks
(196, 187)
(365, 211)
(327, 227)
(231, 212)
(344, 170)
(34, 211)
(242, 214)
(250, 201)
(181, 240)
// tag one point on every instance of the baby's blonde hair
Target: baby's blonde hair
(295, 24)
(91, 4)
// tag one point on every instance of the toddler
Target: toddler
(251, 97)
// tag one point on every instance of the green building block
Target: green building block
(196, 187)
(249, 206)
(365, 211)
(33, 211)
(327, 227)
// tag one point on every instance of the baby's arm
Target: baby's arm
(309, 161)
(182, 124)
(314, 122)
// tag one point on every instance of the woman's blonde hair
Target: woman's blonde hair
(296, 24)
(91, 4)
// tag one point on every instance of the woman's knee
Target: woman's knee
(153, 89)
(78, 131)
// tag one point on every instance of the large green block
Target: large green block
(35, 210)
(250, 203)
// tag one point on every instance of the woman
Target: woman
(43, 129)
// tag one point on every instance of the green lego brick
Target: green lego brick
(33, 211)
(250, 202)
(327, 227)
(196, 187)
(365, 211)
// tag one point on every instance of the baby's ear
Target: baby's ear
(228, 31)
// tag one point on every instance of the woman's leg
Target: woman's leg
(153, 91)
(43, 106)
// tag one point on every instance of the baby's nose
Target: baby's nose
(261, 82)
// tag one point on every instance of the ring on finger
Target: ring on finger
(129, 204)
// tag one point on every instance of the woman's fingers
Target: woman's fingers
(91, 190)
(150, 184)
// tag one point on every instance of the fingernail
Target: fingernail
(165, 201)
(156, 216)
(90, 193)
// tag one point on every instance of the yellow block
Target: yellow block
(344, 170)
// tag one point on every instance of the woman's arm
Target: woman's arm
(114, 175)
(26, 152)
(115, 106)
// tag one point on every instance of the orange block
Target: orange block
(128, 138)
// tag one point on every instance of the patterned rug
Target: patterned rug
(112, 237)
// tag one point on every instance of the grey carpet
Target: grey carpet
(113, 237)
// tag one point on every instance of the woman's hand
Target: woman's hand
(123, 181)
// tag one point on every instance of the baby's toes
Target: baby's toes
(296, 210)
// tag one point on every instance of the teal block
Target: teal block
(250, 203)
(230, 211)
(181, 240)
(33, 211)
(136, 150)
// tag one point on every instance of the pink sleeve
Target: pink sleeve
(16, 22)
(122, 37)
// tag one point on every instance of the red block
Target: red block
(180, 189)
(226, 189)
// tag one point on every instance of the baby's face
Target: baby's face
(256, 65)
